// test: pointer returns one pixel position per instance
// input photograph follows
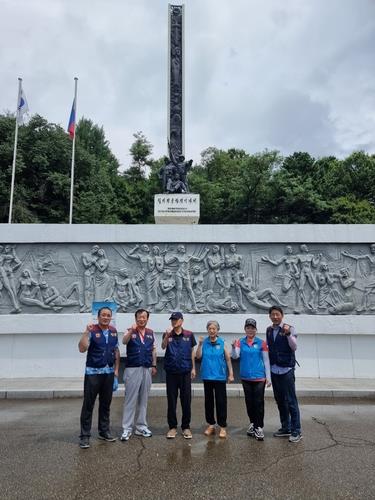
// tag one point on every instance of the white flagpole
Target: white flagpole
(73, 153)
(14, 152)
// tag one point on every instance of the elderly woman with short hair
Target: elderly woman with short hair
(216, 370)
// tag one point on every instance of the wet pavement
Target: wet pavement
(40, 457)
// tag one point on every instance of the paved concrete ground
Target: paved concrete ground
(40, 457)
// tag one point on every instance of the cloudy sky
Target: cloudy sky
(292, 75)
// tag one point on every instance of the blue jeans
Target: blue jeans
(284, 391)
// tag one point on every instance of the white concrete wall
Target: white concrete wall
(37, 345)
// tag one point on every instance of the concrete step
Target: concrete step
(49, 388)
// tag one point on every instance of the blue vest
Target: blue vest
(279, 351)
(100, 353)
(213, 364)
(139, 353)
(177, 357)
(251, 360)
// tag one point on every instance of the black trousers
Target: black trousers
(215, 392)
(94, 385)
(254, 398)
(179, 382)
(284, 390)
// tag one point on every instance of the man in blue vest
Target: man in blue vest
(282, 344)
(179, 365)
(140, 365)
(102, 364)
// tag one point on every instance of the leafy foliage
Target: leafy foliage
(235, 187)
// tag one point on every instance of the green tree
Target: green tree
(140, 151)
(96, 177)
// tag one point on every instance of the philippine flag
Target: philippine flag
(22, 107)
(72, 121)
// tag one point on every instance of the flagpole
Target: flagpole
(73, 153)
(14, 153)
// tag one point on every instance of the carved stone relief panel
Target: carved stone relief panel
(195, 278)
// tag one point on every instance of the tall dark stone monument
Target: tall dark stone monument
(177, 205)
(176, 80)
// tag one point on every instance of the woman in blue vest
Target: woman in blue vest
(216, 368)
(255, 375)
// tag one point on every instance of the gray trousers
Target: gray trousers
(137, 388)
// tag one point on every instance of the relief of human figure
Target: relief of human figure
(197, 280)
(291, 274)
(369, 290)
(9, 262)
(183, 273)
(369, 257)
(102, 280)
(167, 296)
(344, 300)
(232, 264)
(148, 266)
(157, 263)
(307, 262)
(53, 298)
(215, 264)
(125, 291)
(29, 291)
(222, 304)
(256, 297)
(327, 294)
(88, 260)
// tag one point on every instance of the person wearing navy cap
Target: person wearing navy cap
(179, 365)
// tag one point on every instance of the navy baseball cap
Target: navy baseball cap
(250, 322)
(177, 315)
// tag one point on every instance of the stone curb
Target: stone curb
(158, 390)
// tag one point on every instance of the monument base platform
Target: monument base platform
(176, 208)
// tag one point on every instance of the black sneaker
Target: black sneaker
(281, 433)
(84, 442)
(106, 436)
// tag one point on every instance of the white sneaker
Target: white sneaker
(125, 436)
(259, 434)
(295, 437)
(146, 433)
